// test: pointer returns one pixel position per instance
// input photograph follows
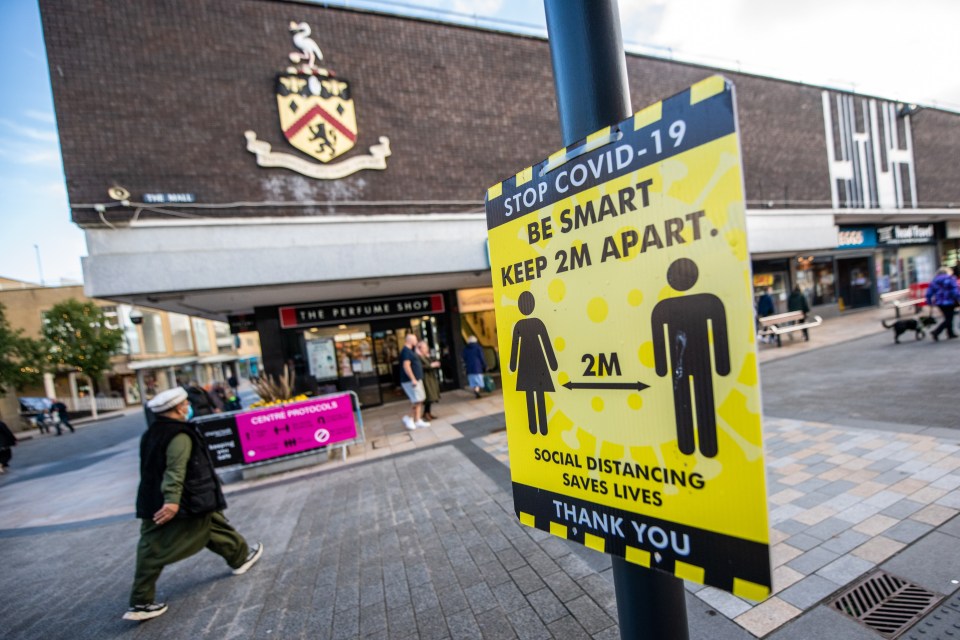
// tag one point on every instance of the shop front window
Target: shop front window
(776, 285)
(131, 339)
(825, 286)
(225, 340)
(180, 332)
(815, 276)
(918, 264)
(951, 255)
(153, 332)
(477, 317)
(202, 335)
(888, 271)
(355, 362)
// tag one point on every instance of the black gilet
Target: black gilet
(201, 486)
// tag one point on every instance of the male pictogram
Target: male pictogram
(530, 356)
(687, 321)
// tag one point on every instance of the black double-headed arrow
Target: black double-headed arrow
(627, 386)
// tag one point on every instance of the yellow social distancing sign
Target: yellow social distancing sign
(622, 288)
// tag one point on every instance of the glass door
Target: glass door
(357, 366)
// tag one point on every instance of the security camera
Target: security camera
(136, 316)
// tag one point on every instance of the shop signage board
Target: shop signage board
(900, 234)
(856, 237)
(241, 323)
(622, 289)
(220, 433)
(285, 429)
(311, 315)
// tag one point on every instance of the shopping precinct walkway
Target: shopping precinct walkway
(414, 535)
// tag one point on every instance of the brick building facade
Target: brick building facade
(155, 127)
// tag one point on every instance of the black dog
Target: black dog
(913, 324)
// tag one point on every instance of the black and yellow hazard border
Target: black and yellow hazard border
(707, 107)
(739, 566)
(601, 255)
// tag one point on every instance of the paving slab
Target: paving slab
(417, 538)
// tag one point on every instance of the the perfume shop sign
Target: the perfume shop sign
(308, 315)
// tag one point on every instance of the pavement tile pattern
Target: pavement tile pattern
(841, 501)
(423, 545)
(414, 535)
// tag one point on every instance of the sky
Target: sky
(898, 50)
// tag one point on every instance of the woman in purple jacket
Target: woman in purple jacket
(944, 293)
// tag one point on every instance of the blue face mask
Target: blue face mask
(189, 413)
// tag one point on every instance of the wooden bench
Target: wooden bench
(901, 300)
(783, 323)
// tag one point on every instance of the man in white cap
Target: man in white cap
(180, 504)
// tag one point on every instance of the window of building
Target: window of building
(153, 333)
(180, 332)
(224, 339)
(131, 339)
(202, 335)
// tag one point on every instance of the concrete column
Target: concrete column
(49, 387)
(74, 392)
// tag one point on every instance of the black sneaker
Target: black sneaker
(142, 612)
(251, 560)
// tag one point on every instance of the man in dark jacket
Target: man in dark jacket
(7, 442)
(200, 400)
(943, 293)
(798, 302)
(57, 407)
(180, 504)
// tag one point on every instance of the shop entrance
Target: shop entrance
(477, 318)
(855, 286)
(773, 277)
(343, 359)
(816, 280)
(388, 340)
(365, 357)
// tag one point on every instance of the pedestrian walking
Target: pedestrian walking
(798, 302)
(765, 307)
(7, 442)
(218, 395)
(411, 375)
(180, 504)
(475, 364)
(200, 400)
(60, 409)
(944, 293)
(431, 382)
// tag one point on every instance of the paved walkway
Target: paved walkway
(414, 536)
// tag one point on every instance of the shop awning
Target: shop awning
(162, 363)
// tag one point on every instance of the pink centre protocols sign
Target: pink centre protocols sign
(292, 428)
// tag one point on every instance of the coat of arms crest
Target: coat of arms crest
(317, 116)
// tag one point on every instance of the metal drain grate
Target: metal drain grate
(885, 603)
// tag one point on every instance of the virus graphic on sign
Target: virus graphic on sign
(318, 117)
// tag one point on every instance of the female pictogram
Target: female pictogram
(532, 358)
(688, 320)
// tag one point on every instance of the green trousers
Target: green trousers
(178, 539)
